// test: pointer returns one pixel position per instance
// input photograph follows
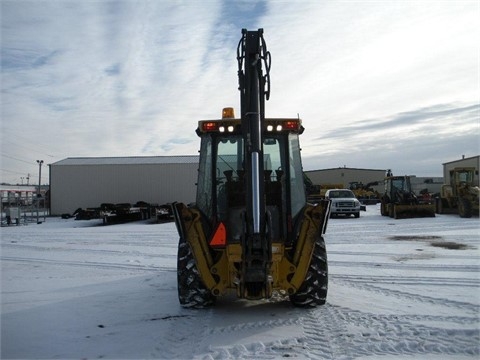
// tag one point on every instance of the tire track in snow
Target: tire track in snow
(399, 266)
(334, 332)
(389, 254)
(350, 334)
(91, 264)
(57, 249)
(472, 308)
(185, 336)
(408, 280)
(252, 326)
(284, 346)
(321, 327)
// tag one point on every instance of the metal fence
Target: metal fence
(23, 210)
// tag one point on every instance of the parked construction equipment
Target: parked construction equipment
(365, 193)
(316, 192)
(460, 195)
(251, 230)
(400, 202)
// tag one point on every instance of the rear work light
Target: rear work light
(283, 125)
(291, 125)
(223, 128)
(209, 126)
(228, 124)
(219, 126)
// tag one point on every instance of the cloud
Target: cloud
(413, 142)
(421, 156)
(125, 78)
(113, 70)
(437, 117)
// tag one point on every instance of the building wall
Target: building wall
(465, 162)
(346, 175)
(82, 186)
(431, 184)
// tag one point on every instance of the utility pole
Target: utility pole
(39, 162)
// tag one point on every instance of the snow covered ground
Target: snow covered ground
(399, 289)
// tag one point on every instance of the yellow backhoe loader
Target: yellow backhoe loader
(251, 231)
(400, 202)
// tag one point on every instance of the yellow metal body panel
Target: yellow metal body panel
(220, 268)
(412, 211)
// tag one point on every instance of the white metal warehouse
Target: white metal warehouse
(90, 181)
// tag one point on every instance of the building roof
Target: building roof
(129, 160)
(345, 168)
(462, 159)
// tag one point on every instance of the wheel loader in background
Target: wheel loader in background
(251, 230)
(460, 195)
(316, 192)
(365, 193)
(400, 202)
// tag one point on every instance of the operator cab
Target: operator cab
(221, 187)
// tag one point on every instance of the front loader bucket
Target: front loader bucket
(413, 211)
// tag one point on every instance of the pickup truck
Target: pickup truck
(344, 202)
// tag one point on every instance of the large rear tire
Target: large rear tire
(439, 205)
(192, 292)
(391, 210)
(383, 208)
(313, 291)
(464, 208)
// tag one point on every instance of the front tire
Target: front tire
(313, 291)
(439, 205)
(464, 208)
(192, 292)
(383, 208)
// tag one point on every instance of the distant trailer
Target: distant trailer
(120, 213)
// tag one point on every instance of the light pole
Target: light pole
(39, 162)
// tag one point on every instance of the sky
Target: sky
(377, 84)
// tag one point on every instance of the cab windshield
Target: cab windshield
(221, 182)
(337, 194)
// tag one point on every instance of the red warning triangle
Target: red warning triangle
(219, 238)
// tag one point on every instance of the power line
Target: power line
(14, 158)
(29, 176)
(13, 172)
(14, 133)
(27, 147)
